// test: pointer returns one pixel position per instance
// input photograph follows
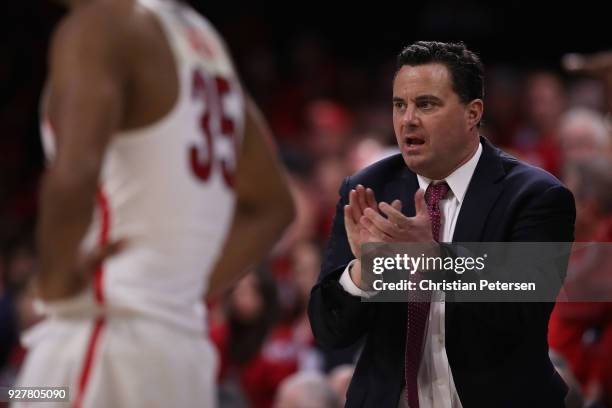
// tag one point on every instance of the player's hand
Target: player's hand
(360, 199)
(88, 262)
(72, 276)
(397, 227)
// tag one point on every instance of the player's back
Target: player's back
(166, 183)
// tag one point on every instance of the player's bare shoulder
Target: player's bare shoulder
(98, 25)
(121, 29)
(126, 39)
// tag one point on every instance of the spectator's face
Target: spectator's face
(545, 101)
(330, 173)
(578, 143)
(435, 131)
(306, 262)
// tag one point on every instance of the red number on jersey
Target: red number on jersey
(215, 124)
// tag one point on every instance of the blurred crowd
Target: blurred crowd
(330, 118)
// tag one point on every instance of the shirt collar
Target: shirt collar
(459, 179)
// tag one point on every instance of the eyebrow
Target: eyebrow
(427, 97)
(419, 98)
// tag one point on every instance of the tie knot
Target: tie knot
(435, 193)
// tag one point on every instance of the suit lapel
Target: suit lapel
(483, 191)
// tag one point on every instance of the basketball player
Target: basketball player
(157, 158)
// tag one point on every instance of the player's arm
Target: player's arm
(264, 204)
(84, 107)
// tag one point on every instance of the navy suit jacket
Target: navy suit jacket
(498, 352)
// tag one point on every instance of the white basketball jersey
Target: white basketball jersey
(168, 188)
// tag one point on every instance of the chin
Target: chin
(416, 164)
(422, 167)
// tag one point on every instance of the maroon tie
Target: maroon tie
(418, 302)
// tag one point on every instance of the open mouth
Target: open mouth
(412, 141)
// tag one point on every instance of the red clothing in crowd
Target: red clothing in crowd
(260, 377)
(544, 153)
(581, 332)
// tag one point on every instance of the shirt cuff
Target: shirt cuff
(349, 286)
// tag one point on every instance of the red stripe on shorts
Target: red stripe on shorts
(104, 209)
(88, 363)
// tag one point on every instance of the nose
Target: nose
(410, 117)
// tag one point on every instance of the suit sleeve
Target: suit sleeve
(549, 218)
(338, 319)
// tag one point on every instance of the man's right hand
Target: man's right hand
(360, 198)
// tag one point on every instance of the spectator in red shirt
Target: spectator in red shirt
(580, 332)
(250, 367)
(537, 140)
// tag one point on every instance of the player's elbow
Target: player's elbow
(275, 209)
(71, 180)
(280, 206)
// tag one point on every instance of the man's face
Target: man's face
(435, 131)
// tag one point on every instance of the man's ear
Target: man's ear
(473, 112)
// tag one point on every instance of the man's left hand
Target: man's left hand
(397, 227)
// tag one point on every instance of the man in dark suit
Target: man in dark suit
(448, 184)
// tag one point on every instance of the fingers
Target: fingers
(349, 219)
(106, 251)
(365, 236)
(361, 197)
(92, 259)
(419, 202)
(394, 214)
(356, 211)
(374, 232)
(370, 198)
(381, 223)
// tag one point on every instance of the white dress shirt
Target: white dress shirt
(435, 379)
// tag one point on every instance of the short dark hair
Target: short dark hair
(464, 66)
